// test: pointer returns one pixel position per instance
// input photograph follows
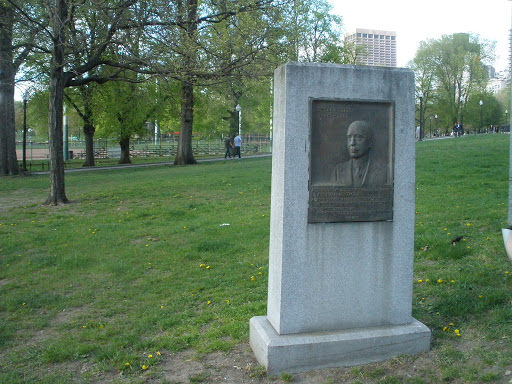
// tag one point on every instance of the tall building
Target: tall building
(379, 47)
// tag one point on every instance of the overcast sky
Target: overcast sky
(416, 21)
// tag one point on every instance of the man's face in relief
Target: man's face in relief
(358, 140)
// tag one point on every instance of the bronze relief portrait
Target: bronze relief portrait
(351, 160)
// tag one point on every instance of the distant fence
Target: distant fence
(165, 147)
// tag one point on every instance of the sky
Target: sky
(416, 21)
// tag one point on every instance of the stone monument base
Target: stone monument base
(303, 352)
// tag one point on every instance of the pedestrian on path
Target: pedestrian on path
(238, 144)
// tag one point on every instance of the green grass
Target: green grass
(144, 261)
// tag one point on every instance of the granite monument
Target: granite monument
(342, 220)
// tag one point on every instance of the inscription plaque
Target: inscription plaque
(351, 161)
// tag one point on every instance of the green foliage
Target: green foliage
(119, 112)
(312, 33)
(451, 75)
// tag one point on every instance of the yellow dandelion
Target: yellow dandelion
(467, 224)
(144, 367)
(127, 364)
(446, 229)
(207, 267)
(228, 302)
(452, 281)
(253, 278)
(158, 354)
(201, 265)
(420, 281)
(161, 307)
(451, 324)
(208, 302)
(445, 329)
(426, 281)
(439, 281)
(150, 356)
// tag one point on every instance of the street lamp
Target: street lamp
(421, 115)
(481, 104)
(239, 110)
(436, 125)
(461, 99)
(25, 101)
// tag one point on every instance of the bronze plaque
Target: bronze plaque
(351, 161)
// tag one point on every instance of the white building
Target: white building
(499, 80)
(380, 46)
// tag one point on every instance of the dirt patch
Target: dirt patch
(20, 199)
(239, 366)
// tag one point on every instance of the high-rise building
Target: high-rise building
(378, 47)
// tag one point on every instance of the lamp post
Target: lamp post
(461, 99)
(65, 130)
(25, 101)
(421, 116)
(239, 110)
(481, 120)
(435, 117)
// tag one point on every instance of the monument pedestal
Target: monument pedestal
(309, 351)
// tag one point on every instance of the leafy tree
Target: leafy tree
(449, 71)
(197, 44)
(123, 109)
(79, 38)
(480, 117)
(17, 37)
(313, 33)
(82, 104)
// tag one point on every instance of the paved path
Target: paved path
(126, 166)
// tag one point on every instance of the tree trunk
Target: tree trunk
(89, 130)
(8, 160)
(125, 151)
(234, 122)
(57, 81)
(185, 154)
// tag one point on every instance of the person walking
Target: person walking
(458, 129)
(238, 144)
(228, 144)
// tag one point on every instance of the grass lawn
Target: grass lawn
(147, 262)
